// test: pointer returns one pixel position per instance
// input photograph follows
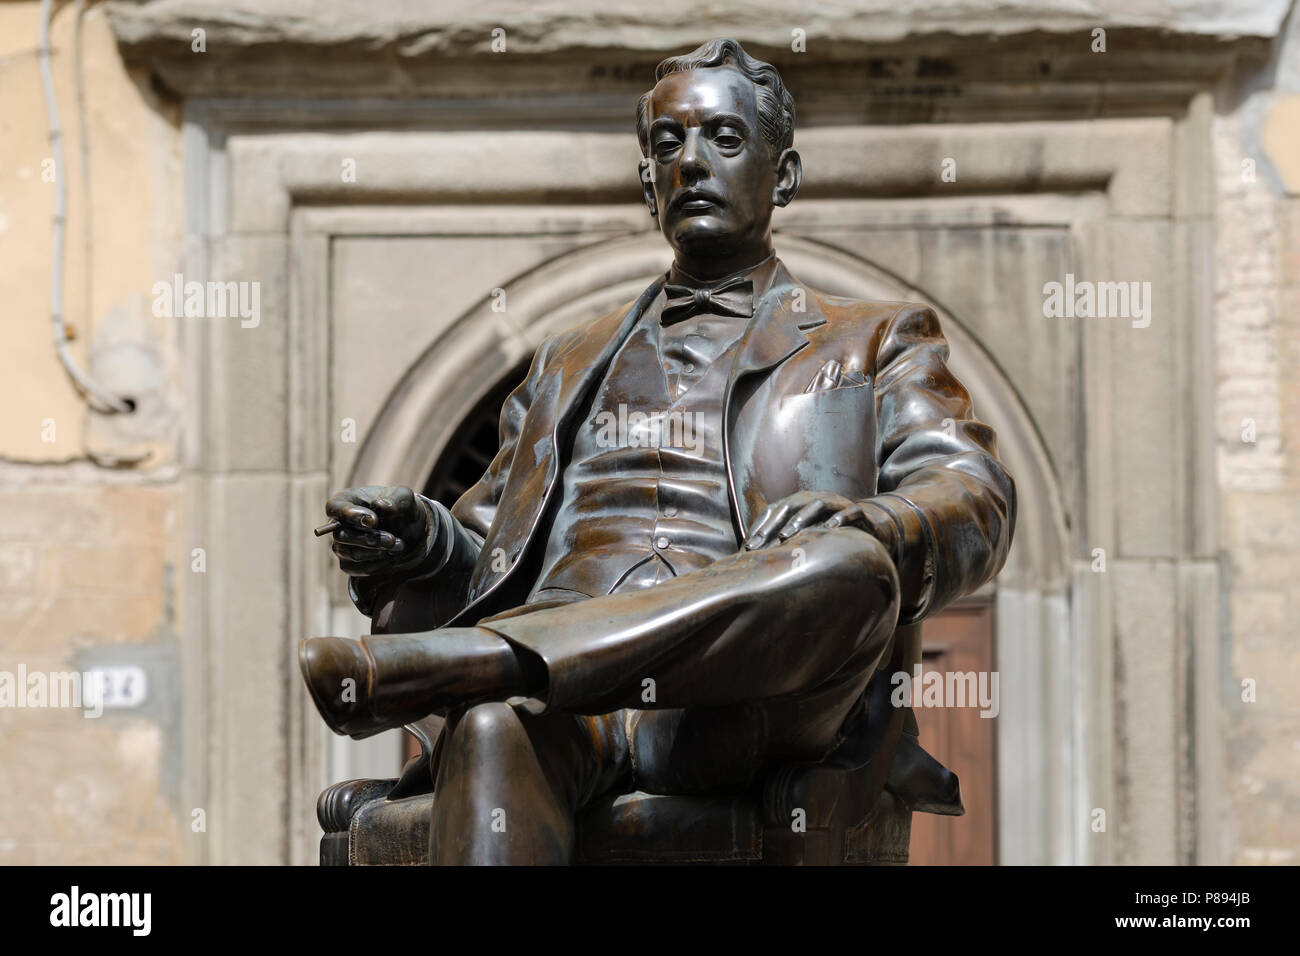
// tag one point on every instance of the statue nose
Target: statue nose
(693, 160)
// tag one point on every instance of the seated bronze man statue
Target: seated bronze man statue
(709, 513)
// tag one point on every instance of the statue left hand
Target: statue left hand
(783, 519)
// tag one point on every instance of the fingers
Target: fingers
(360, 516)
(347, 507)
(401, 512)
(371, 507)
(367, 540)
(785, 518)
(807, 515)
(357, 568)
(862, 515)
(362, 553)
(769, 523)
(851, 517)
(378, 526)
(396, 503)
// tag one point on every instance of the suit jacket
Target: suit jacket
(905, 439)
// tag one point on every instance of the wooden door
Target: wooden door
(960, 640)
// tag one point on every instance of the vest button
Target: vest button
(662, 542)
(670, 512)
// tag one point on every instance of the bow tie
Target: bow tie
(734, 296)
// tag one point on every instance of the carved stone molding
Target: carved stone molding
(878, 61)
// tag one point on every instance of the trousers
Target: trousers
(698, 684)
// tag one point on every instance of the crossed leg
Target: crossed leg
(756, 657)
(751, 626)
(750, 659)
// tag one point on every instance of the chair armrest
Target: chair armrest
(339, 802)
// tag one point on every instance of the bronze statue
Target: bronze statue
(712, 514)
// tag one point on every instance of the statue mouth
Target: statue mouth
(697, 201)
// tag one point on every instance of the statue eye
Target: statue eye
(665, 146)
(728, 138)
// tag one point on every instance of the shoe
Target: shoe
(922, 783)
(338, 675)
(380, 682)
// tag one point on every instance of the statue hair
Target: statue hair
(775, 104)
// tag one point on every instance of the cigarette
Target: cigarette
(329, 527)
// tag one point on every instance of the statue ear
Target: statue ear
(648, 185)
(789, 174)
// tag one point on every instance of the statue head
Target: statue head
(717, 133)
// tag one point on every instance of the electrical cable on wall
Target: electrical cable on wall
(85, 384)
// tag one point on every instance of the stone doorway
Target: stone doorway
(429, 240)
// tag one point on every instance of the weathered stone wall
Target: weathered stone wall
(1257, 152)
(85, 568)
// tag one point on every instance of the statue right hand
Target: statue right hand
(383, 530)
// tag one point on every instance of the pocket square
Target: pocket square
(832, 376)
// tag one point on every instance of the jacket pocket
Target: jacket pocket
(831, 438)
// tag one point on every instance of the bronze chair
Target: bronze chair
(854, 807)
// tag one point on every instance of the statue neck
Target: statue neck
(716, 268)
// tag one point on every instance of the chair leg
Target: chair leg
(334, 849)
(883, 838)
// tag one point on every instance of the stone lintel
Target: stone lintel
(897, 55)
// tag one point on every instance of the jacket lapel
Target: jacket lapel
(775, 333)
(546, 429)
(589, 355)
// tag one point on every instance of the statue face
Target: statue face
(714, 174)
